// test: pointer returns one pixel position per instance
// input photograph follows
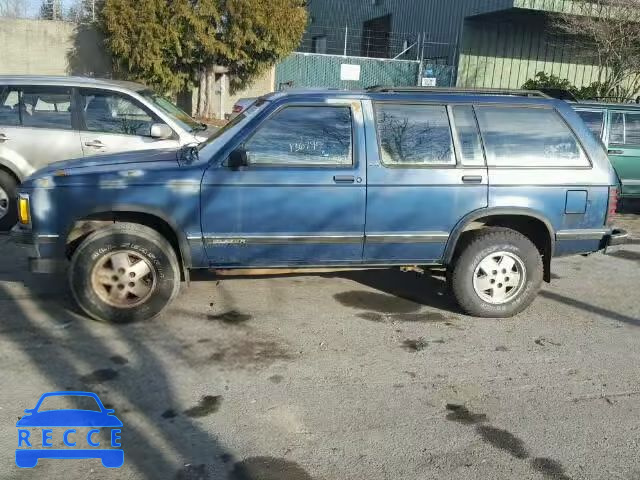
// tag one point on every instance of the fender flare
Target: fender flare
(183, 243)
(489, 212)
(20, 174)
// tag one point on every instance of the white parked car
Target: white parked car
(45, 119)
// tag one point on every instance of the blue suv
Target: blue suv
(490, 184)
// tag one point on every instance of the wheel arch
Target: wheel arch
(16, 166)
(149, 217)
(11, 169)
(519, 219)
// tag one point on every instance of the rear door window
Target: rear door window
(594, 121)
(625, 129)
(528, 137)
(9, 106)
(414, 135)
(37, 107)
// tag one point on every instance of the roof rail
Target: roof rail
(454, 90)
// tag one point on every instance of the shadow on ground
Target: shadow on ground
(70, 352)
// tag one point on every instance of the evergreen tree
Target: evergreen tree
(174, 45)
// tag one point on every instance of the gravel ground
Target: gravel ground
(367, 375)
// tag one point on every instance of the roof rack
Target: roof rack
(453, 90)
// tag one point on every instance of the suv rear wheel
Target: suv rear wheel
(498, 273)
(123, 273)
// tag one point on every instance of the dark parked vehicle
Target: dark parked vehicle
(491, 185)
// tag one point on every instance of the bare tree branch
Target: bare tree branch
(611, 30)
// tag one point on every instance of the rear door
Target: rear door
(624, 149)
(113, 122)
(37, 126)
(425, 173)
(300, 200)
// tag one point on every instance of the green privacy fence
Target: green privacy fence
(443, 75)
(317, 70)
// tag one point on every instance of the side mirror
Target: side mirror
(188, 154)
(161, 131)
(237, 159)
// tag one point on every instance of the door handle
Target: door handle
(615, 152)
(95, 144)
(472, 179)
(344, 178)
(3, 137)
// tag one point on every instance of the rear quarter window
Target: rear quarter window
(594, 121)
(528, 137)
(414, 135)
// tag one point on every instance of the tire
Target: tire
(103, 270)
(478, 266)
(8, 201)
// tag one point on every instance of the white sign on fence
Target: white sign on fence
(350, 72)
(429, 82)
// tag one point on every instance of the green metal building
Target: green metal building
(471, 43)
(507, 47)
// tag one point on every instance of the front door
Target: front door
(301, 198)
(113, 122)
(624, 150)
(419, 188)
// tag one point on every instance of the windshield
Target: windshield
(248, 113)
(177, 115)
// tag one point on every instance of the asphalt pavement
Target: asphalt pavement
(363, 375)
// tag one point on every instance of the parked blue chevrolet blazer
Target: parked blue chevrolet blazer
(492, 185)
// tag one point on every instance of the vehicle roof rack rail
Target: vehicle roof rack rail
(453, 90)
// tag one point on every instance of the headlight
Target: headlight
(24, 216)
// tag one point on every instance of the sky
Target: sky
(33, 6)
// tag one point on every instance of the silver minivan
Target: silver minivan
(45, 119)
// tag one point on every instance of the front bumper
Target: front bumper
(41, 256)
(21, 236)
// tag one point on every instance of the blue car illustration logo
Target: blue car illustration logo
(80, 431)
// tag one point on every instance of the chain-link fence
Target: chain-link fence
(377, 42)
(316, 70)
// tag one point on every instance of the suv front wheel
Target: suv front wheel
(498, 273)
(123, 273)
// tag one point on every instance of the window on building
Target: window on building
(303, 136)
(376, 37)
(467, 135)
(528, 137)
(417, 135)
(319, 44)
